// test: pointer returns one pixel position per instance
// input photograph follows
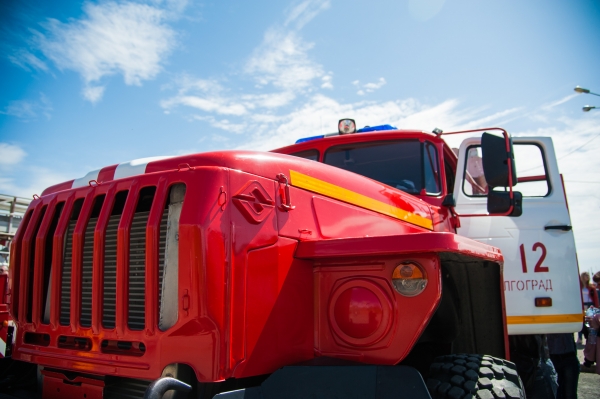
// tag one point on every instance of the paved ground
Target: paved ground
(589, 382)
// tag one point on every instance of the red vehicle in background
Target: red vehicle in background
(11, 214)
(246, 274)
(6, 325)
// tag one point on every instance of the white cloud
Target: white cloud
(211, 97)
(368, 87)
(574, 139)
(270, 100)
(499, 118)
(282, 61)
(27, 61)
(173, 8)
(327, 81)
(561, 101)
(224, 124)
(11, 154)
(39, 180)
(374, 86)
(204, 95)
(304, 12)
(93, 93)
(21, 109)
(29, 109)
(124, 38)
(268, 125)
(213, 104)
(320, 113)
(281, 67)
(186, 83)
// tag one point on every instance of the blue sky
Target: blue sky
(88, 84)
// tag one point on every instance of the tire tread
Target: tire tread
(464, 376)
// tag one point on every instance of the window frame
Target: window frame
(544, 163)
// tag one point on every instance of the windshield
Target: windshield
(407, 165)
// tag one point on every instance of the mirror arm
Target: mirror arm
(504, 133)
(510, 174)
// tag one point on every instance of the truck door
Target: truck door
(541, 275)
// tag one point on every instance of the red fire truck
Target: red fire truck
(6, 327)
(12, 210)
(244, 274)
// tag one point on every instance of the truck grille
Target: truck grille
(79, 224)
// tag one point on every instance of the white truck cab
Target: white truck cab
(541, 275)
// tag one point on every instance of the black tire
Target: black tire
(474, 376)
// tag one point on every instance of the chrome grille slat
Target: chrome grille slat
(86, 274)
(137, 270)
(110, 272)
(161, 253)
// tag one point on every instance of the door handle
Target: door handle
(563, 227)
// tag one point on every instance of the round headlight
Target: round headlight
(409, 279)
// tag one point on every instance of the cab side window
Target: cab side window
(474, 184)
(532, 175)
(431, 169)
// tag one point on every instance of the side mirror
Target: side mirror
(496, 160)
(500, 202)
(495, 168)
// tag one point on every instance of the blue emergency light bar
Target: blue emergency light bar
(365, 129)
(309, 138)
(376, 128)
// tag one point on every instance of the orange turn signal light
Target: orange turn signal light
(409, 279)
(543, 302)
